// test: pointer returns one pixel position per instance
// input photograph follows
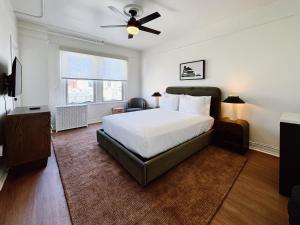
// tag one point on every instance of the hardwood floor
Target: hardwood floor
(37, 198)
(254, 198)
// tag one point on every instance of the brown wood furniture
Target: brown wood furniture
(28, 138)
(233, 134)
(119, 109)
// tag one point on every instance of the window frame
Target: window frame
(67, 95)
(97, 83)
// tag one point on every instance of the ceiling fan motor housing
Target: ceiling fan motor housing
(133, 22)
(133, 12)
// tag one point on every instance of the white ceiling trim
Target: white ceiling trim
(41, 31)
(32, 15)
(57, 31)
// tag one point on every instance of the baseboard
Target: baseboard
(265, 148)
(3, 176)
(94, 121)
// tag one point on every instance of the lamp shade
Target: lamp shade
(156, 94)
(234, 100)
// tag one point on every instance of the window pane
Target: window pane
(80, 91)
(112, 91)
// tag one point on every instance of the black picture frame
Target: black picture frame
(194, 70)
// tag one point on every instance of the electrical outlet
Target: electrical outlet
(1, 150)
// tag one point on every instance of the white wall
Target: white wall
(39, 51)
(7, 30)
(33, 47)
(255, 56)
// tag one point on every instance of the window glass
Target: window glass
(112, 90)
(80, 91)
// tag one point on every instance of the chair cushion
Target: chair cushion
(133, 109)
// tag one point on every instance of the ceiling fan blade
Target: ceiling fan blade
(147, 29)
(117, 12)
(148, 18)
(112, 26)
(130, 36)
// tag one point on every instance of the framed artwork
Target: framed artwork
(192, 70)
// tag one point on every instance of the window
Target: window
(91, 78)
(80, 91)
(112, 90)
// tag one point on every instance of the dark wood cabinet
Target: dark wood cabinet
(28, 140)
(233, 134)
(289, 174)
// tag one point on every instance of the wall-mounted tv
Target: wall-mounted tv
(14, 81)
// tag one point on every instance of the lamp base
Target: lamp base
(157, 102)
(233, 117)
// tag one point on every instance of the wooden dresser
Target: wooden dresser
(28, 138)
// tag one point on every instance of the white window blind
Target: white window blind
(90, 67)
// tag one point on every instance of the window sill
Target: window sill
(109, 102)
(98, 103)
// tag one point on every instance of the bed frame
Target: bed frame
(146, 170)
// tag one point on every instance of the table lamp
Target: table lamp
(234, 100)
(156, 95)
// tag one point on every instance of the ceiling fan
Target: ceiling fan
(131, 12)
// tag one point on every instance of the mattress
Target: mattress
(151, 132)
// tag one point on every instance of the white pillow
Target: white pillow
(169, 101)
(195, 104)
(207, 100)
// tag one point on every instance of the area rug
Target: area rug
(99, 191)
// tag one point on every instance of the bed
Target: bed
(149, 143)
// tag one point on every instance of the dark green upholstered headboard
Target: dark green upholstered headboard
(214, 92)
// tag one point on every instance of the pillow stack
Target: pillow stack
(186, 103)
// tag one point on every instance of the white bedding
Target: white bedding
(150, 132)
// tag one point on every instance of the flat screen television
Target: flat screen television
(15, 79)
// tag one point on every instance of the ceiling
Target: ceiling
(178, 17)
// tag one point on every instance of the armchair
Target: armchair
(136, 104)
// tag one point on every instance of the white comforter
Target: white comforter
(150, 132)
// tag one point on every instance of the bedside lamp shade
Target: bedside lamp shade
(234, 100)
(156, 95)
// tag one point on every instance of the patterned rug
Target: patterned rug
(99, 191)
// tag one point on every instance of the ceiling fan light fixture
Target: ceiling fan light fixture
(133, 30)
(134, 25)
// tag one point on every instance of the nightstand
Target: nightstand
(119, 109)
(232, 134)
